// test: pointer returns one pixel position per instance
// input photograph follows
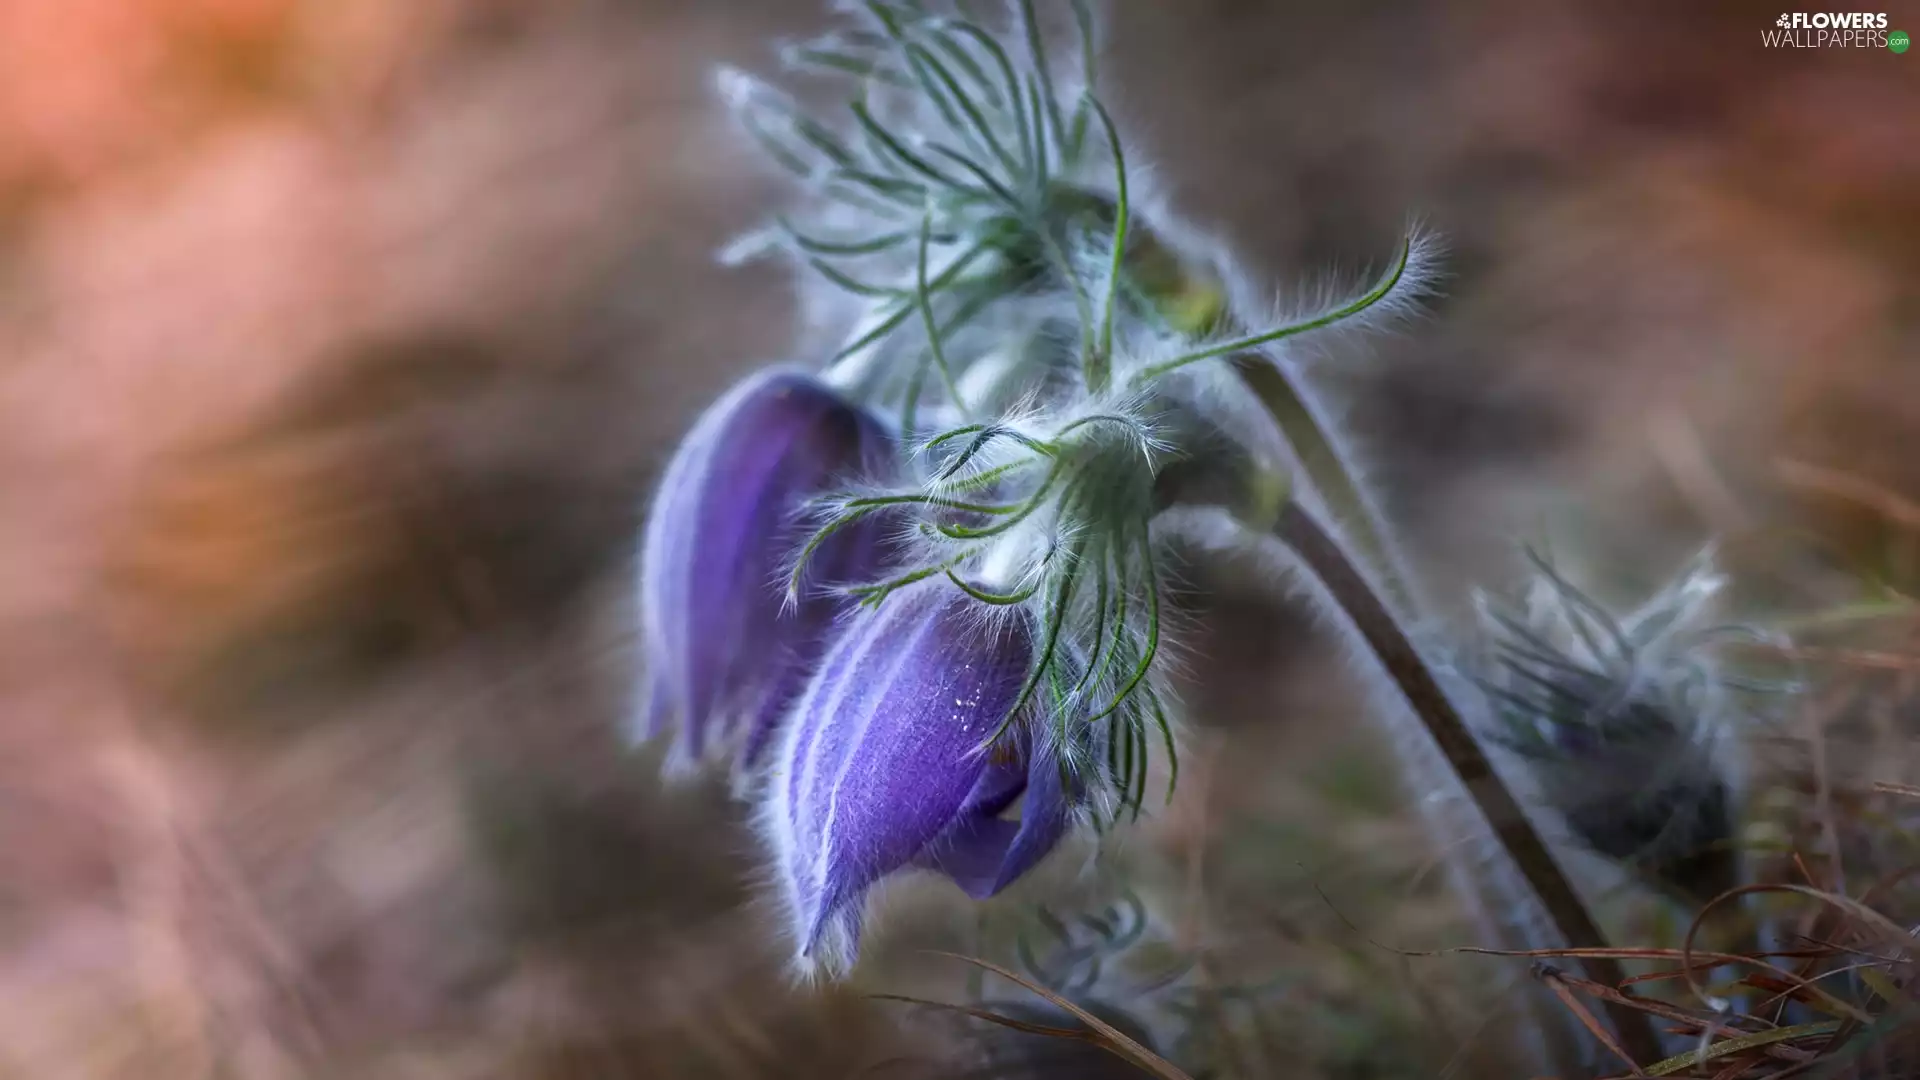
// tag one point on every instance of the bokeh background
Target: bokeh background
(340, 341)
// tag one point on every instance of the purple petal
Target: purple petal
(657, 712)
(783, 685)
(883, 755)
(723, 656)
(984, 854)
(1003, 782)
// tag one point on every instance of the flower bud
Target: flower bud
(1625, 724)
(723, 657)
(883, 767)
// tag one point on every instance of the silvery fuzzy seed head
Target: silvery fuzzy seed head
(1626, 724)
(889, 762)
(723, 656)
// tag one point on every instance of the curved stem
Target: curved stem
(1390, 645)
(1332, 478)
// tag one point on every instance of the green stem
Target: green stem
(1321, 460)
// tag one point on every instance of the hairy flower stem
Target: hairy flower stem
(1373, 619)
(1157, 272)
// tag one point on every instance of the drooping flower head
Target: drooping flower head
(969, 243)
(724, 652)
(888, 763)
(1629, 724)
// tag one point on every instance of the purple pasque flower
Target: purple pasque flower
(884, 766)
(724, 653)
